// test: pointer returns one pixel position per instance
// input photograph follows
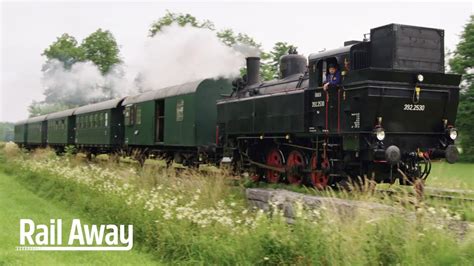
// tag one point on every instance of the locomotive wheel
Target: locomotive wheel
(274, 158)
(318, 179)
(296, 161)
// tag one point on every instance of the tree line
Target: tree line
(462, 63)
(6, 131)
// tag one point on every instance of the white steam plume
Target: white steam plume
(182, 54)
(82, 83)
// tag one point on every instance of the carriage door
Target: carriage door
(159, 120)
(44, 132)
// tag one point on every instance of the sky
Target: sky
(27, 28)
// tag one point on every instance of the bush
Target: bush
(11, 150)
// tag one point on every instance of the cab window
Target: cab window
(322, 68)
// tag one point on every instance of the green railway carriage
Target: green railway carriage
(183, 115)
(20, 132)
(100, 125)
(61, 128)
(36, 131)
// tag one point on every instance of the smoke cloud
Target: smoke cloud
(174, 56)
(83, 83)
(182, 54)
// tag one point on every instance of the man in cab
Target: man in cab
(333, 77)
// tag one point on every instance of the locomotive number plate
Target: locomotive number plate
(317, 104)
(414, 107)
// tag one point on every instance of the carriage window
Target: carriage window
(180, 110)
(138, 115)
(128, 115)
(106, 119)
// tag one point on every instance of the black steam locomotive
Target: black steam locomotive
(393, 113)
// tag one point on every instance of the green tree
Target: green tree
(66, 50)
(279, 49)
(463, 63)
(6, 131)
(181, 19)
(230, 38)
(102, 49)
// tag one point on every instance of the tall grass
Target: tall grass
(188, 217)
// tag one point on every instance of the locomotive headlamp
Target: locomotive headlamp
(453, 133)
(420, 78)
(379, 133)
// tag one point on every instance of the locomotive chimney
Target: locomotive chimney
(253, 70)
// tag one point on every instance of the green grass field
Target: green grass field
(457, 176)
(17, 202)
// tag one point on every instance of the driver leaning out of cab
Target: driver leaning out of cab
(333, 77)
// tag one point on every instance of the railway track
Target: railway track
(436, 193)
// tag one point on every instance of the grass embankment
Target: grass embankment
(456, 176)
(189, 217)
(17, 202)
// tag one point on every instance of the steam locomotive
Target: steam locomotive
(393, 113)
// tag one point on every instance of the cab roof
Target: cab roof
(330, 53)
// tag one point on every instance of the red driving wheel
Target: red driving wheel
(295, 161)
(275, 159)
(318, 179)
